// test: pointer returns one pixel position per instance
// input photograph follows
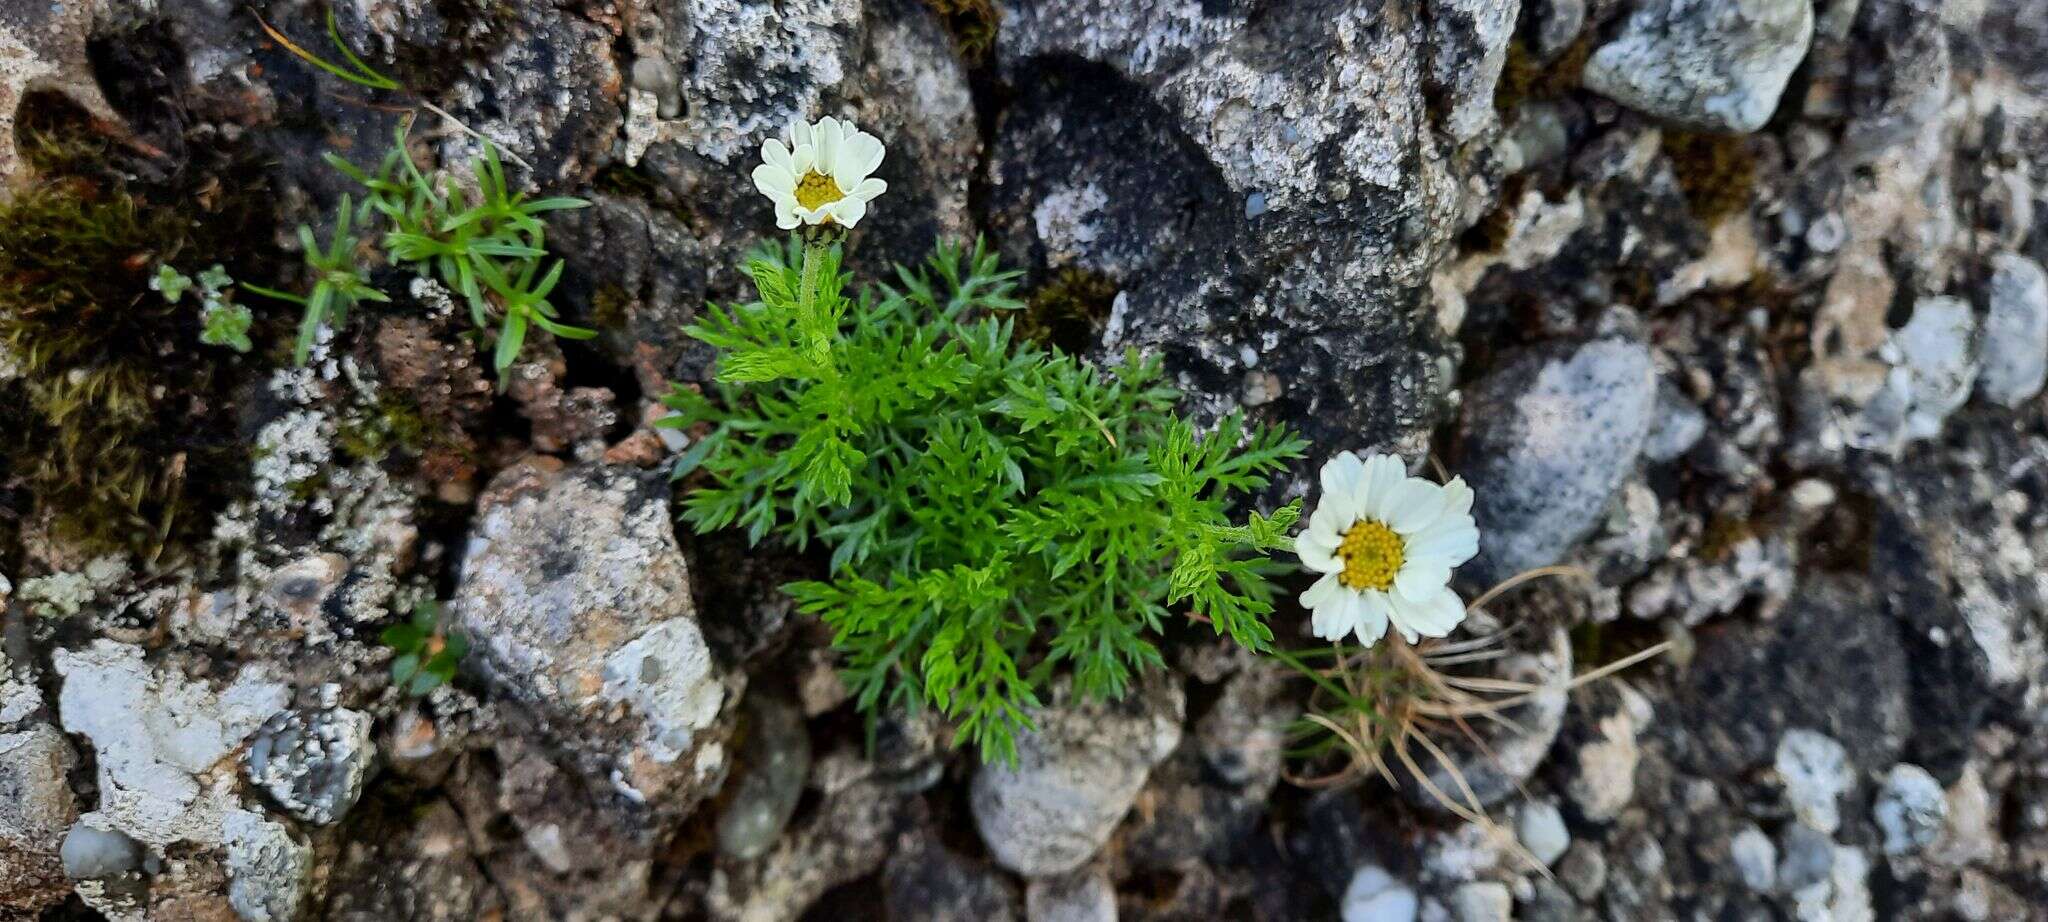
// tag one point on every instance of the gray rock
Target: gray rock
(155, 734)
(1549, 437)
(1468, 46)
(43, 50)
(1749, 684)
(547, 92)
(775, 759)
(269, 871)
(1932, 369)
(1482, 901)
(644, 260)
(1815, 771)
(1244, 735)
(1212, 792)
(1911, 809)
(1076, 775)
(1583, 870)
(1375, 896)
(847, 838)
(312, 763)
(1843, 894)
(1558, 24)
(576, 600)
(1140, 164)
(1805, 857)
(2015, 357)
(926, 882)
(427, 871)
(1541, 828)
(90, 852)
(1755, 858)
(1677, 427)
(1510, 754)
(1083, 896)
(1713, 64)
(36, 804)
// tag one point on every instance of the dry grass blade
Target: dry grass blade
(1379, 704)
(361, 75)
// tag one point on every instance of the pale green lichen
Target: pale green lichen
(63, 595)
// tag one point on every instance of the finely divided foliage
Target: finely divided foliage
(996, 512)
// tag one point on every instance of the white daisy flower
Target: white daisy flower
(1385, 543)
(820, 176)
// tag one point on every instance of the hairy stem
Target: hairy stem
(810, 314)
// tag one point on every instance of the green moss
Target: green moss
(608, 306)
(1491, 233)
(625, 181)
(114, 428)
(1064, 312)
(972, 24)
(1524, 77)
(1723, 535)
(393, 424)
(1716, 171)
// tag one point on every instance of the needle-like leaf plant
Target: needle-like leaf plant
(997, 514)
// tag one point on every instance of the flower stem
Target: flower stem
(813, 323)
(814, 262)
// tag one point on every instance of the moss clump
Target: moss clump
(1065, 312)
(972, 24)
(394, 423)
(608, 306)
(114, 422)
(1723, 535)
(1491, 233)
(1717, 172)
(625, 182)
(1524, 77)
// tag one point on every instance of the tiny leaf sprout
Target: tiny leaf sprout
(337, 282)
(427, 652)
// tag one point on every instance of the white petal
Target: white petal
(1452, 538)
(1319, 593)
(846, 169)
(1329, 522)
(1436, 616)
(1322, 542)
(1316, 556)
(785, 215)
(1372, 619)
(866, 190)
(865, 151)
(1419, 580)
(1330, 617)
(1447, 611)
(827, 138)
(771, 181)
(1402, 614)
(1457, 497)
(848, 211)
(1382, 474)
(1343, 474)
(776, 154)
(813, 215)
(799, 133)
(1413, 504)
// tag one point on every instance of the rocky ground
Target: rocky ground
(1736, 304)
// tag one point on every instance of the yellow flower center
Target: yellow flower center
(1372, 554)
(817, 189)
